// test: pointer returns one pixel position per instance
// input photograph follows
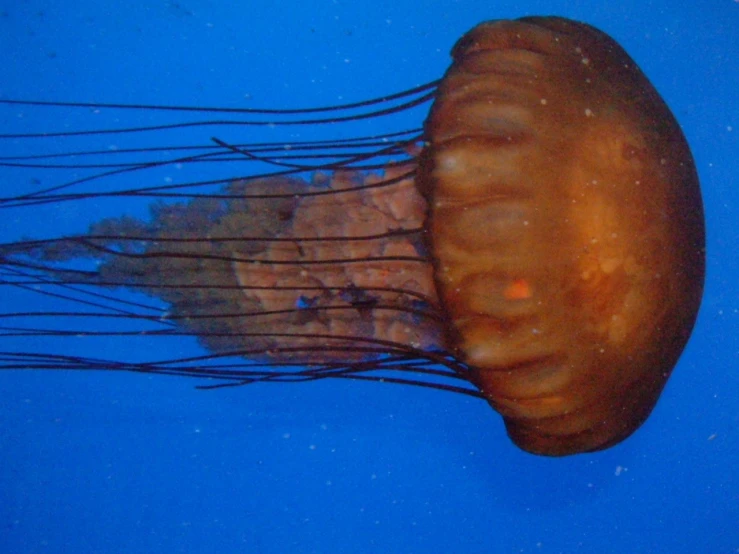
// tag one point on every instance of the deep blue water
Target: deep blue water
(113, 463)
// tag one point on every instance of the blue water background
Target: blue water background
(116, 463)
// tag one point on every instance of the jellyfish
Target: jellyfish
(539, 244)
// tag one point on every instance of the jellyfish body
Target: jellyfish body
(566, 226)
(547, 246)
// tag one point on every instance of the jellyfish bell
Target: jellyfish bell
(546, 245)
(567, 230)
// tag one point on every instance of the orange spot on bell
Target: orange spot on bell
(518, 289)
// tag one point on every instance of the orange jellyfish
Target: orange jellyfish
(544, 243)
